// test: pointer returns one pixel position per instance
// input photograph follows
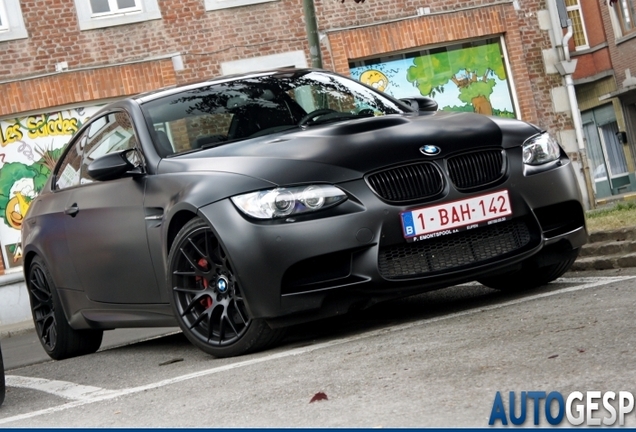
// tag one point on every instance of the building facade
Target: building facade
(619, 19)
(602, 90)
(61, 60)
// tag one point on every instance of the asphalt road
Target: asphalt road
(432, 360)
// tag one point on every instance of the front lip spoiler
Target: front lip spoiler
(577, 238)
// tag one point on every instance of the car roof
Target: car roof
(159, 93)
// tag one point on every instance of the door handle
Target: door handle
(72, 210)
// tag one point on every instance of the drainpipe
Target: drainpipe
(312, 33)
(566, 68)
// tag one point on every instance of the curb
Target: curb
(11, 330)
(612, 200)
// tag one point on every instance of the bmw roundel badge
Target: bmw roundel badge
(430, 150)
(222, 284)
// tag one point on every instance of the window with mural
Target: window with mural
(469, 77)
(626, 13)
(579, 35)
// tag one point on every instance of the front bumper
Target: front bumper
(322, 264)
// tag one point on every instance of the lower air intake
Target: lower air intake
(454, 250)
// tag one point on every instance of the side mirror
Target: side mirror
(421, 103)
(113, 166)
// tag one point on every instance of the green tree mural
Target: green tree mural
(472, 69)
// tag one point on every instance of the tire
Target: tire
(2, 384)
(531, 275)
(58, 339)
(206, 296)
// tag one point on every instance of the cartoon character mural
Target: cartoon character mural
(30, 146)
(471, 73)
(375, 79)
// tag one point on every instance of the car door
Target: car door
(106, 227)
(48, 218)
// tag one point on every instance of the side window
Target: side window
(107, 134)
(68, 171)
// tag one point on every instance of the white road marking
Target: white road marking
(65, 389)
(83, 395)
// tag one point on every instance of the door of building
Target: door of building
(606, 156)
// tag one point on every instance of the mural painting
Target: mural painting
(467, 77)
(29, 148)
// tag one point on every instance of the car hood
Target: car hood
(348, 150)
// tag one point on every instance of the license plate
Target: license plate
(452, 217)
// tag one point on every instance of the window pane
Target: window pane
(124, 4)
(615, 153)
(99, 6)
(67, 174)
(3, 19)
(108, 134)
(626, 14)
(577, 26)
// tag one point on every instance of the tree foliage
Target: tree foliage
(471, 69)
(462, 66)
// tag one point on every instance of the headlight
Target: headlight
(540, 149)
(281, 202)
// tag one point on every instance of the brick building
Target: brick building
(619, 20)
(61, 60)
(603, 93)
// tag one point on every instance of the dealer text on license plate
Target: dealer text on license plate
(434, 221)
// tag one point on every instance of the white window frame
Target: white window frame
(147, 10)
(225, 4)
(618, 21)
(273, 61)
(4, 20)
(12, 21)
(114, 9)
(577, 7)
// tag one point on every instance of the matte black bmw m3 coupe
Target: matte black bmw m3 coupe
(239, 206)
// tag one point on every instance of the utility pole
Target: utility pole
(312, 33)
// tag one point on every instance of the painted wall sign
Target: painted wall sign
(29, 148)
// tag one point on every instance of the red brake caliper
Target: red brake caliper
(206, 302)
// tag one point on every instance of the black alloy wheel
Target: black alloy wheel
(58, 339)
(207, 298)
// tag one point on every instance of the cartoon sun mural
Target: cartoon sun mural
(22, 192)
(375, 79)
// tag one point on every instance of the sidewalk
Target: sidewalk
(15, 311)
(605, 250)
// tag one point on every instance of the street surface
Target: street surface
(431, 360)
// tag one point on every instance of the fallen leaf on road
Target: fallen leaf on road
(318, 397)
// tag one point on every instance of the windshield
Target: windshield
(215, 114)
